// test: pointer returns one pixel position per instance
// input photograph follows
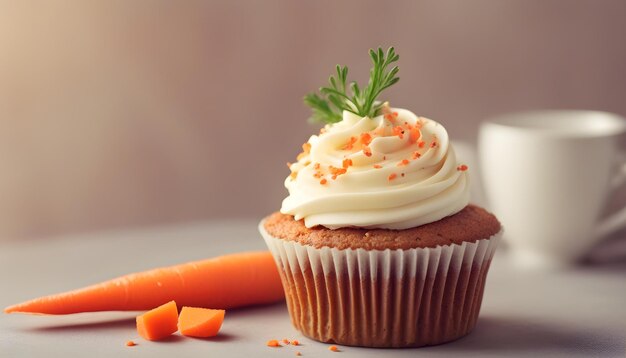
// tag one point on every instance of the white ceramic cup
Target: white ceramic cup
(547, 175)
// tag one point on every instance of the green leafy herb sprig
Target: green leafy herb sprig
(334, 99)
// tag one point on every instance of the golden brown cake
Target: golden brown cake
(425, 307)
(470, 224)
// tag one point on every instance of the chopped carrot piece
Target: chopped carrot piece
(273, 343)
(421, 144)
(323, 181)
(200, 322)
(347, 163)
(462, 168)
(286, 341)
(295, 342)
(298, 354)
(158, 323)
(416, 155)
(130, 343)
(392, 176)
(333, 349)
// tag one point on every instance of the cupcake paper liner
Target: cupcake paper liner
(383, 298)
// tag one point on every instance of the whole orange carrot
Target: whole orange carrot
(223, 282)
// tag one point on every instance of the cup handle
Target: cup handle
(617, 220)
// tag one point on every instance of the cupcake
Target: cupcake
(377, 244)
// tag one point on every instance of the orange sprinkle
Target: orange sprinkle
(377, 166)
(273, 343)
(298, 354)
(337, 171)
(416, 155)
(414, 135)
(399, 131)
(333, 348)
(433, 144)
(462, 168)
(130, 343)
(421, 144)
(285, 340)
(347, 163)
(392, 176)
(367, 151)
(366, 138)
(295, 342)
(404, 162)
(350, 143)
(323, 181)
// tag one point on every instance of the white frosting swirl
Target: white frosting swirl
(401, 172)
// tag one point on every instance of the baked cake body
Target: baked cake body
(385, 288)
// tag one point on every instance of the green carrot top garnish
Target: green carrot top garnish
(334, 99)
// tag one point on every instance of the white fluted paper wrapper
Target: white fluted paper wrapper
(383, 298)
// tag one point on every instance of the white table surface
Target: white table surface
(579, 312)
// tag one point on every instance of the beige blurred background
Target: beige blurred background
(130, 113)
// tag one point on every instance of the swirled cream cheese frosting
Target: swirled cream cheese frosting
(393, 171)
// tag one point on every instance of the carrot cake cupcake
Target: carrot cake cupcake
(377, 244)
